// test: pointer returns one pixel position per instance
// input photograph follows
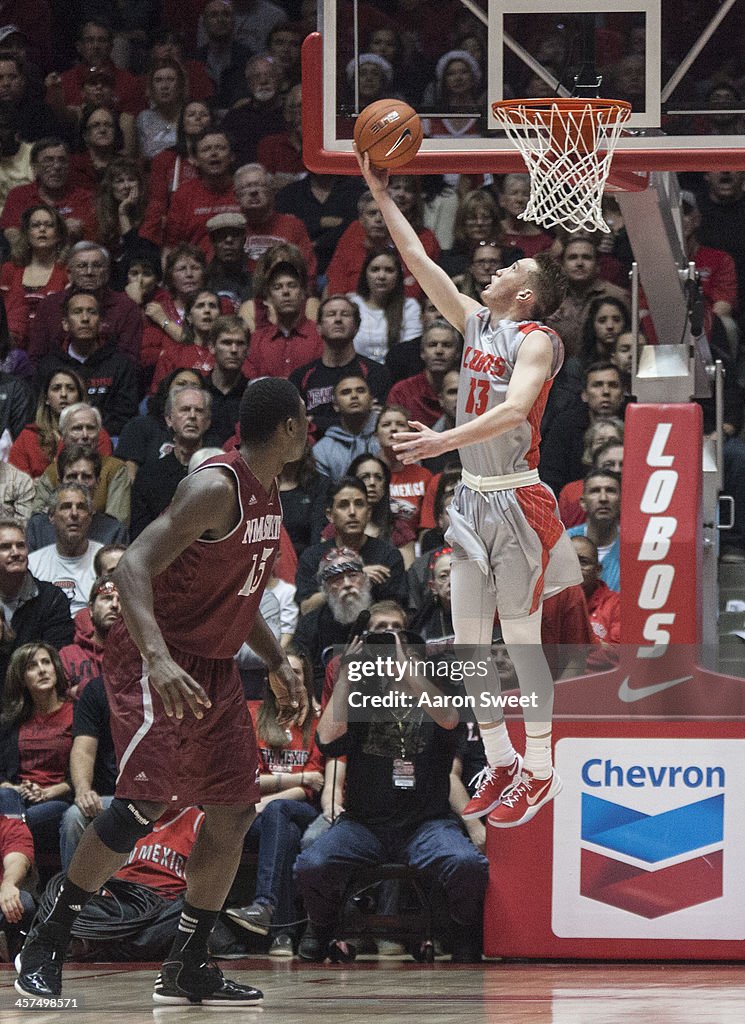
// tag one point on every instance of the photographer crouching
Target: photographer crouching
(399, 747)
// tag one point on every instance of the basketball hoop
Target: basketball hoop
(567, 146)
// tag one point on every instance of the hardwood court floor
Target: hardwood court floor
(400, 992)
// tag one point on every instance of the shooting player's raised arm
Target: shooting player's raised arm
(453, 305)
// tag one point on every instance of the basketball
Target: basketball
(390, 131)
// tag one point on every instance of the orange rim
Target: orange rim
(534, 111)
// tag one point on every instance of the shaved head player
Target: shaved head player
(190, 587)
(509, 546)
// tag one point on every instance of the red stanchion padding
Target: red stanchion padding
(661, 525)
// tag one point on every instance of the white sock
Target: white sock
(498, 745)
(537, 759)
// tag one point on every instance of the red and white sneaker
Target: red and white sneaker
(524, 800)
(492, 784)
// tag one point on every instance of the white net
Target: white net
(568, 148)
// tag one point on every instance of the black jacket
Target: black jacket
(110, 380)
(42, 617)
(16, 404)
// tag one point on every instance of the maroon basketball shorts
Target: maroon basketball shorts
(179, 762)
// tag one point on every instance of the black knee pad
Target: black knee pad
(121, 825)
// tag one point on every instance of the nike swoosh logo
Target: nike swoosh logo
(530, 799)
(405, 134)
(629, 696)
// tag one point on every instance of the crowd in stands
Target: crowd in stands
(162, 244)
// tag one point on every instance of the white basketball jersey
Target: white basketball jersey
(489, 355)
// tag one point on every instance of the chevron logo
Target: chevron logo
(652, 864)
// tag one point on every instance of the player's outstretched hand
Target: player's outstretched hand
(420, 443)
(376, 177)
(177, 688)
(292, 697)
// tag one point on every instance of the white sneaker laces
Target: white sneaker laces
(482, 779)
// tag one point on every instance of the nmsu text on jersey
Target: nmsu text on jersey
(264, 528)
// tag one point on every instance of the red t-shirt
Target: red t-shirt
(571, 512)
(174, 356)
(604, 609)
(15, 837)
(129, 91)
(530, 245)
(416, 394)
(44, 744)
(294, 758)
(76, 204)
(191, 207)
(280, 227)
(159, 860)
(276, 354)
(168, 172)
(343, 271)
(27, 454)
(212, 591)
(21, 301)
(565, 619)
(277, 153)
(407, 490)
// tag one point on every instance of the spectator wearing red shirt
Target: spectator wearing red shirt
(265, 227)
(183, 276)
(204, 197)
(53, 185)
(40, 442)
(291, 777)
(16, 904)
(439, 349)
(35, 743)
(94, 45)
(716, 267)
(192, 352)
(173, 167)
(165, 44)
(408, 483)
(35, 270)
(365, 235)
(282, 154)
(83, 658)
(121, 319)
(293, 340)
(603, 604)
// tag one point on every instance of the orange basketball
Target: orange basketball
(390, 131)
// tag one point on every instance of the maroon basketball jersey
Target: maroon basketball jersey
(207, 599)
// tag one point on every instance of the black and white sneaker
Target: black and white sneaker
(255, 918)
(39, 964)
(190, 982)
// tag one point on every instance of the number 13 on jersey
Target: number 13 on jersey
(478, 396)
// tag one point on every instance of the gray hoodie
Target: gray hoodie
(338, 448)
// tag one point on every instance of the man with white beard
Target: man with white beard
(347, 592)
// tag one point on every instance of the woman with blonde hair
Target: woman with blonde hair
(477, 220)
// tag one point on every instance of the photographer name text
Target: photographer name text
(458, 701)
